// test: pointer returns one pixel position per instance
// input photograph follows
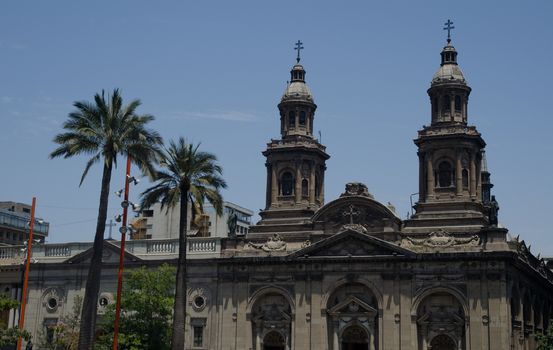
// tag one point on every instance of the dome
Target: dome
(297, 90)
(449, 70)
(448, 73)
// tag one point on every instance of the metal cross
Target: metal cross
(299, 47)
(351, 212)
(448, 27)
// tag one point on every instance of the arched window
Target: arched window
(447, 103)
(435, 105)
(292, 119)
(445, 174)
(304, 187)
(302, 118)
(287, 184)
(457, 103)
(465, 175)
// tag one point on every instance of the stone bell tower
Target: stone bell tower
(450, 155)
(296, 162)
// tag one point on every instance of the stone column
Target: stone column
(298, 182)
(479, 178)
(274, 186)
(268, 195)
(452, 107)
(322, 190)
(336, 341)
(312, 184)
(472, 175)
(458, 173)
(421, 177)
(258, 332)
(430, 176)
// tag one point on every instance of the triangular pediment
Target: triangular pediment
(110, 255)
(351, 243)
(354, 306)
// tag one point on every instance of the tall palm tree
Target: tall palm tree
(104, 130)
(188, 176)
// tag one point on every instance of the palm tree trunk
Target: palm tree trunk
(90, 305)
(179, 308)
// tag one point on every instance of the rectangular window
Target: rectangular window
(198, 336)
(148, 213)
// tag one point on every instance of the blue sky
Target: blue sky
(214, 71)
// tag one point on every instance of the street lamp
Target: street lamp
(26, 275)
(125, 205)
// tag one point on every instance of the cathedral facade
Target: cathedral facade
(347, 274)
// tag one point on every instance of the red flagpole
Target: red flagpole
(26, 278)
(123, 231)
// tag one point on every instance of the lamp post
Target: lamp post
(123, 230)
(26, 276)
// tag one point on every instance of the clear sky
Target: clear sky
(214, 71)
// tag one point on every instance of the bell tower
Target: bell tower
(451, 154)
(295, 162)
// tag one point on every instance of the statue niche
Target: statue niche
(271, 323)
(441, 323)
(352, 318)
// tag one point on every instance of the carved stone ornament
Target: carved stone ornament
(355, 227)
(356, 189)
(274, 243)
(441, 239)
(306, 244)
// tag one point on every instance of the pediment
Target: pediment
(356, 210)
(110, 255)
(351, 243)
(352, 306)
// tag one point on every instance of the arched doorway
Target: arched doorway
(441, 322)
(352, 311)
(442, 342)
(273, 341)
(355, 338)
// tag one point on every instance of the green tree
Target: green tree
(146, 306)
(65, 334)
(188, 175)
(104, 130)
(9, 336)
(545, 340)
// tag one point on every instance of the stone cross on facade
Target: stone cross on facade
(448, 27)
(352, 212)
(299, 47)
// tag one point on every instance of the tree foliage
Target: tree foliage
(146, 307)
(104, 130)
(65, 334)
(188, 176)
(545, 340)
(9, 336)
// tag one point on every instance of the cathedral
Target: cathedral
(348, 273)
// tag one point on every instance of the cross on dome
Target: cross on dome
(299, 47)
(448, 27)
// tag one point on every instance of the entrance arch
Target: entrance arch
(442, 342)
(355, 338)
(274, 341)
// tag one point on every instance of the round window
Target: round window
(199, 302)
(52, 303)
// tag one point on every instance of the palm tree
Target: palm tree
(187, 176)
(104, 130)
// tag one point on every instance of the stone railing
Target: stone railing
(145, 249)
(57, 250)
(204, 245)
(10, 253)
